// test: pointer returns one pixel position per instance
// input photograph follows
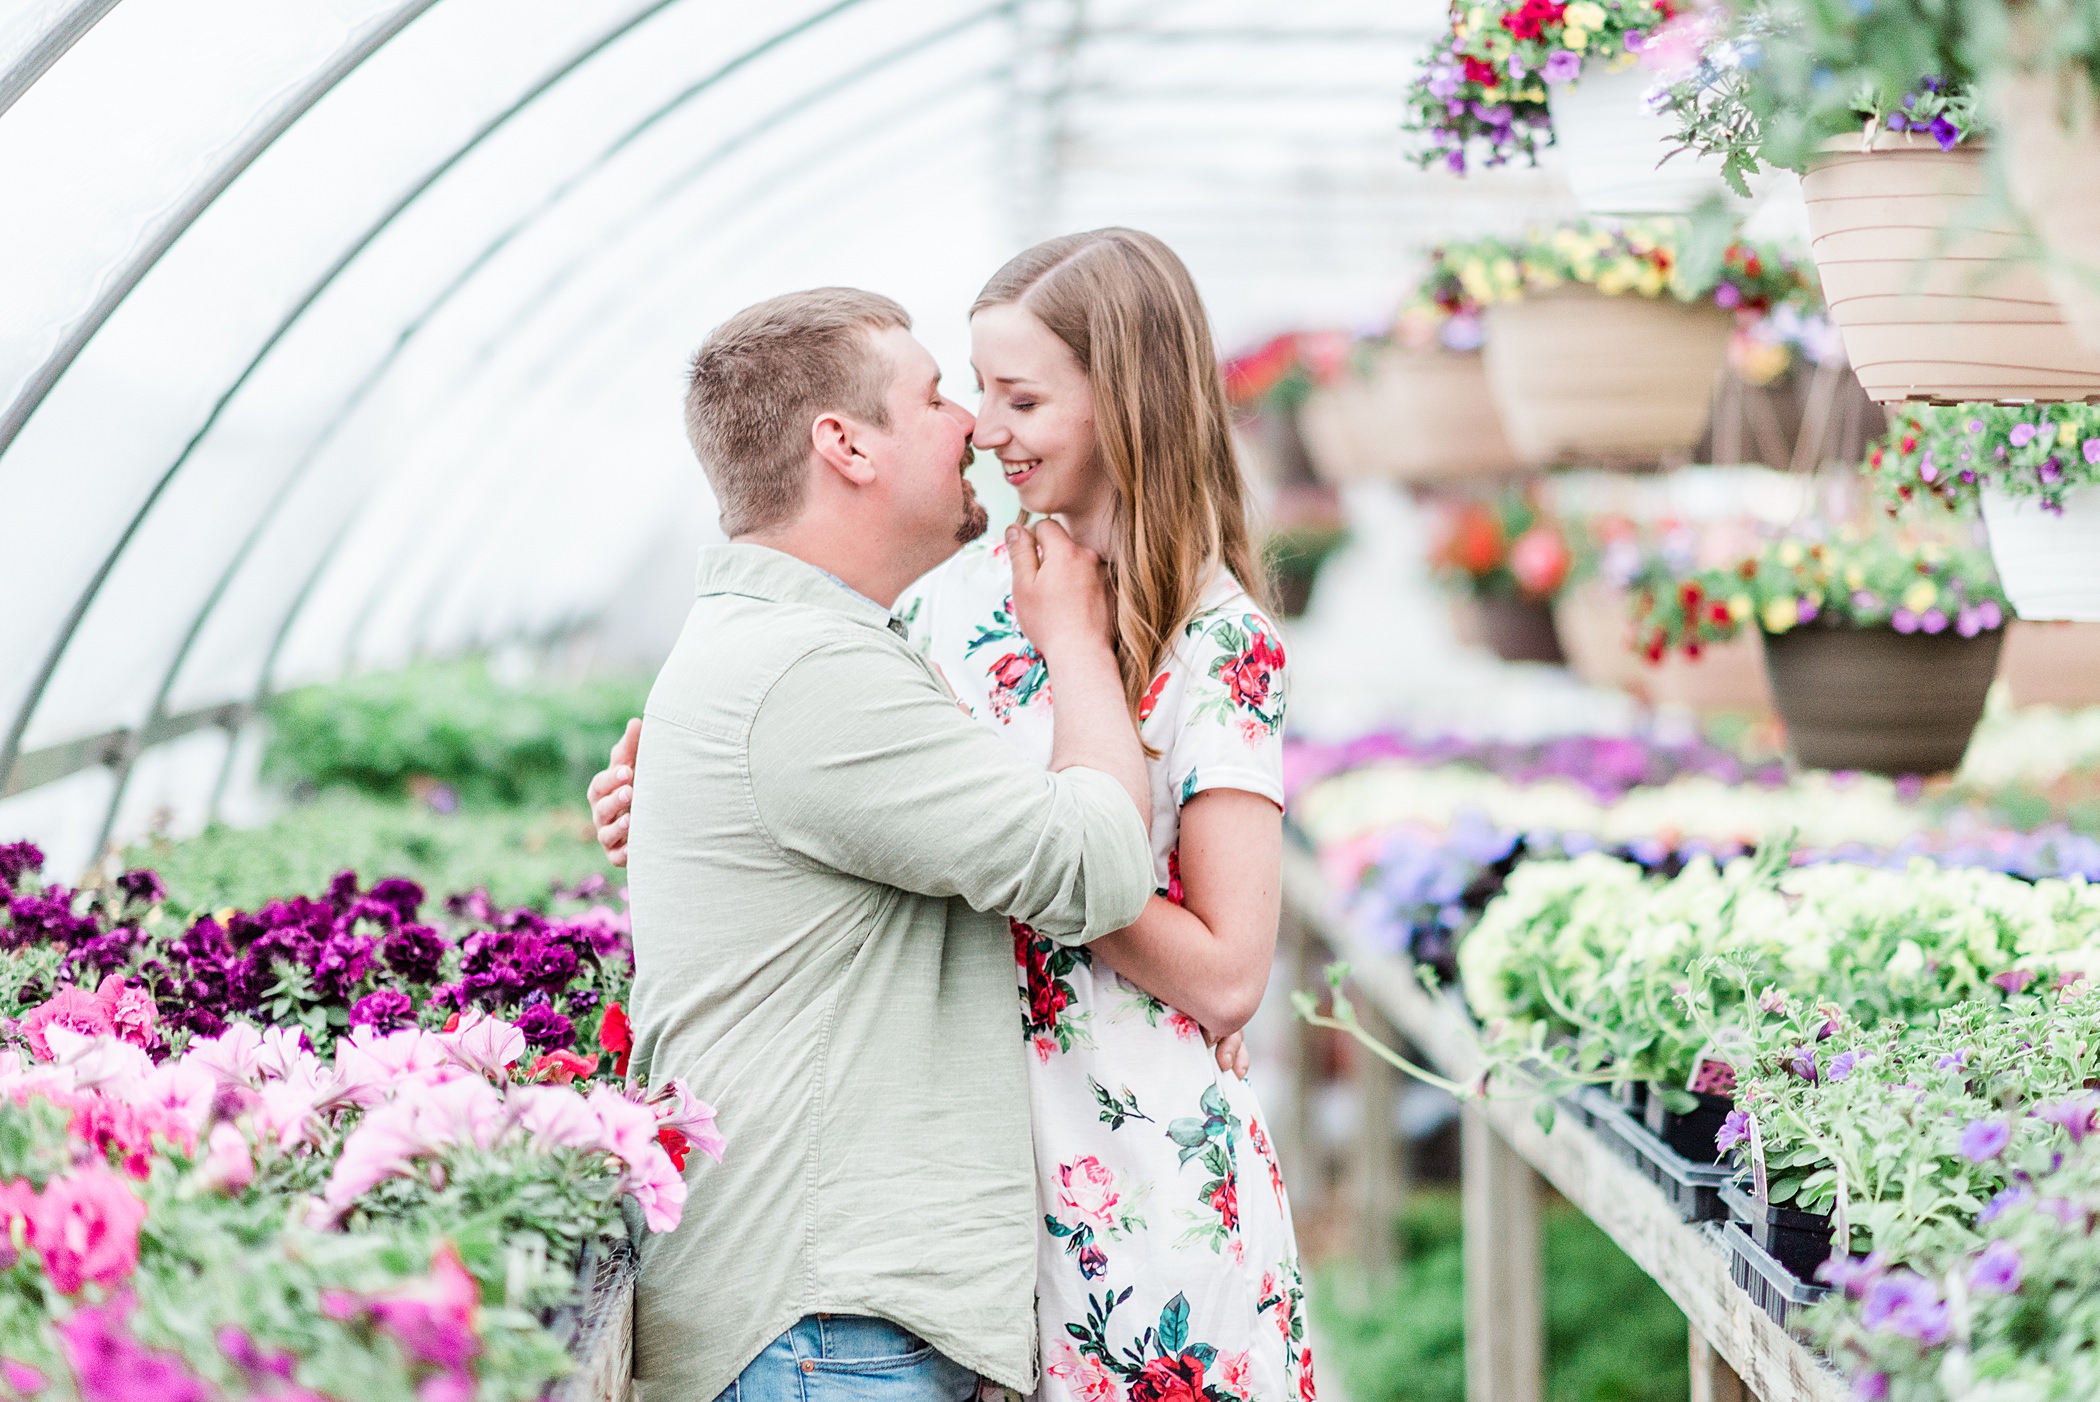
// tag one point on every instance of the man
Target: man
(823, 852)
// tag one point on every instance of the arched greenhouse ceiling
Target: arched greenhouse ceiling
(334, 332)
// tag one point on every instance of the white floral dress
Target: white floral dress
(1167, 1270)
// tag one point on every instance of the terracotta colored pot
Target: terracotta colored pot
(1879, 700)
(1609, 145)
(2052, 664)
(1419, 416)
(1590, 619)
(2049, 565)
(1520, 630)
(1927, 287)
(1727, 676)
(1585, 378)
(2049, 127)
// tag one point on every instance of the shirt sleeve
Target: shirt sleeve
(1229, 734)
(861, 761)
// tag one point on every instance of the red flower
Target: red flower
(1009, 670)
(1249, 676)
(1719, 613)
(1175, 891)
(1046, 999)
(616, 1035)
(1532, 19)
(1169, 1380)
(1479, 70)
(561, 1067)
(1225, 1201)
(675, 1144)
(1151, 697)
(1305, 1375)
(1475, 542)
(1689, 595)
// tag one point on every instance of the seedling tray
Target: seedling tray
(1691, 1134)
(1694, 1189)
(1799, 1241)
(1775, 1289)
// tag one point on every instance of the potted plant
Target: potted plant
(1413, 406)
(1487, 84)
(1880, 644)
(1506, 561)
(1604, 340)
(2033, 472)
(1876, 106)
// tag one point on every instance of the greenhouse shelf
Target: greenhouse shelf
(1583, 1164)
(1694, 1189)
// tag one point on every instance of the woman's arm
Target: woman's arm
(1210, 956)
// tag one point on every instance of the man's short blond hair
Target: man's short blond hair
(769, 372)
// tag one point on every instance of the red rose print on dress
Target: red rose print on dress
(1151, 697)
(1246, 675)
(1018, 674)
(1047, 1016)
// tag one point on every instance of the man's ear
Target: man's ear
(836, 440)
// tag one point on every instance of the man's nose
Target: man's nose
(967, 419)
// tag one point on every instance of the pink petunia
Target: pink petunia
(70, 1007)
(109, 1365)
(228, 1164)
(678, 1108)
(86, 1227)
(483, 1044)
(234, 1056)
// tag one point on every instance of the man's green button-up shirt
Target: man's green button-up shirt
(823, 853)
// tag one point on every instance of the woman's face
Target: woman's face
(1038, 414)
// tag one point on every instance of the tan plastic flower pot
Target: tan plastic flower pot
(1585, 378)
(2052, 664)
(1726, 676)
(2049, 132)
(2048, 564)
(1879, 700)
(1420, 416)
(1595, 634)
(1928, 287)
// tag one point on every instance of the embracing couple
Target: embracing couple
(835, 867)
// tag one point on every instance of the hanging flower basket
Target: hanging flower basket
(1583, 377)
(2049, 562)
(1728, 676)
(1517, 629)
(1610, 147)
(1416, 416)
(1926, 287)
(1879, 700)
(1590, 620)
(2049, 127)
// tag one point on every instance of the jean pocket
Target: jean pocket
(863, 1344)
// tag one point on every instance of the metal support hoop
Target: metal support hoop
(70, 29)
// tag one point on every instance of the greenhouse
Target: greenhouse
(1564, 536)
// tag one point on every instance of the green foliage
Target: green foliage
(1612, 1335)
(518, 854)
(452, 724)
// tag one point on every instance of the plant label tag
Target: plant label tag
(1760, 1183)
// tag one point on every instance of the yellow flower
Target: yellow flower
(1855, 577)
(1651, 282)
(1920, 596)
(1781, 614)
(1739, 607)
(1585, 14)
(1476, 19)
(1614, 280)
(1575, 39)
(1790, 553)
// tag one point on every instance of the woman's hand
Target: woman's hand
(611, 795)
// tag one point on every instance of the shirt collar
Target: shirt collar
(761, 572)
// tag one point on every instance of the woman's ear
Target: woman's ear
(837, 441)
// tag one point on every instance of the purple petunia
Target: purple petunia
(1983, 1140)
(1997, 1271)
(143, 886)
(383, 1010)
(1841, 1066)
(1957, 1060)
(1945, 133)
(1853, 1276)
(18, 859)
(2013, 981)
(545, 1028)
(2003, 1202)
(1905, 1304)
(415, 952)
(2076, 1116)
(1561, 66)
(1802, 1062)
(1734, 1130)
(2021, 435)
(2091, 448)
(1871, 1387)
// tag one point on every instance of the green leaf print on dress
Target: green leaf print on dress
(1018, 674)
(1116, 1110)
(1242, 688)
(1163, 1364)
(1209, 1138)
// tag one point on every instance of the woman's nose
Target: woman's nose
(989, 432)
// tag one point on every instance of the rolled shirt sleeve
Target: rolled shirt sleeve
(862, 762)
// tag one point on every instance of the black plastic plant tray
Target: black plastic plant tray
(1691, 1134)
(1775, 1289)
(1799, 1241)
(1604, 1116)
(1694, 1189)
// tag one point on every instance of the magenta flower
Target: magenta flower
(383, 1010)
(2091, 448)
(2013, 981)
(1905, 1304)
(1984, 1140)
(1871, 1387)
(109, 1365)
(1997, 1271)
(25, 1380)
(2021, 435)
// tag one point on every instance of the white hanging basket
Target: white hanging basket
(1608, 145)
(2049, 565)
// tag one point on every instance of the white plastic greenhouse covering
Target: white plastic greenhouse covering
(339, 332)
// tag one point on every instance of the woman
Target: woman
(1167, 1267)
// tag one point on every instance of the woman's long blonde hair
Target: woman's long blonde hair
(1128, 309)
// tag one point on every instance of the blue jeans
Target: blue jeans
(850, 1358)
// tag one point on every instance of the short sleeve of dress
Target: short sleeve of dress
(1230, 728)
